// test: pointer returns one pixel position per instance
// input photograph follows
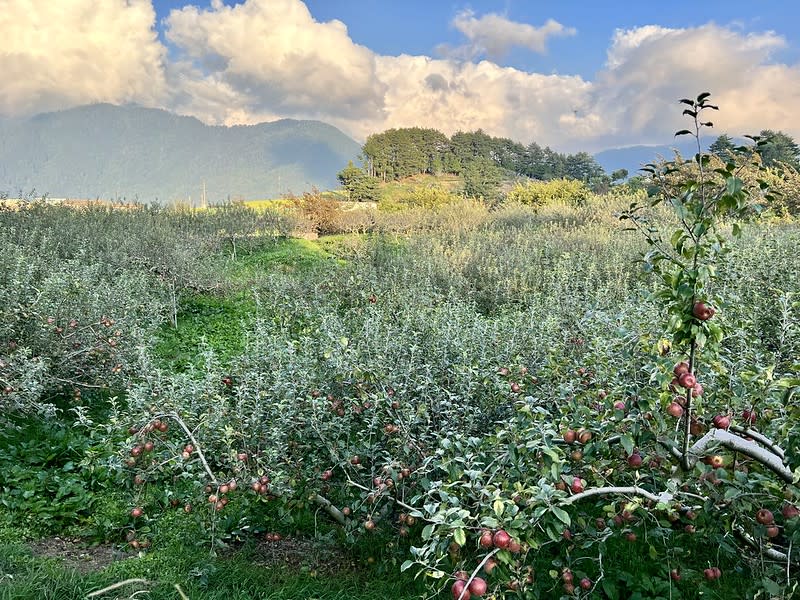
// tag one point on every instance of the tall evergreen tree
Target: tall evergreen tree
(723, 147)
(780, 148)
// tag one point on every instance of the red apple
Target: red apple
(773, 531)
(697, 390)
(577, 485)
(489, 566)
(501, 539)
(687, 380)
(460, 591)
(675, 409)
(635, 460)
(486, 539)
(722, 421)
(566, 576)
(749, 416)
(137, 512)
(702, 311)
(570, 436)
(764, 516)
(369, 525)
(680, 368)
(790, 511)
(478, 586)
(619, 405)
(586, 583)
(675, 575)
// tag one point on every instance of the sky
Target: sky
(573, 74)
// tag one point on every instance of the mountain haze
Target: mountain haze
(634, 158)
(150, 155)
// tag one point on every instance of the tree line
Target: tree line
(398, 153)
(484, 161)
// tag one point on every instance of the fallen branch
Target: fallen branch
(116, 586)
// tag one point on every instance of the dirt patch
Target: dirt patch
(75, 553)
(303, 554)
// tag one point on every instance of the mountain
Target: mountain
(634, 158)
(150, 155)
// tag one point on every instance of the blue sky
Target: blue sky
(417, 27)
(575, 75)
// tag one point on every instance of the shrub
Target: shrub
(556, 191)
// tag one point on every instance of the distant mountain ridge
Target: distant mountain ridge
(634, 158)
(151, 155)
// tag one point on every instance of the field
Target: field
(198, 404)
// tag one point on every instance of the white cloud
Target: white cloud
(56, 54)
(650, 68)
(493, 35)
(269, 59)
(276, 55)
(452, 96)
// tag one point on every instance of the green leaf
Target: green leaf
(498, 507)
(406, 565)
(772, 588)
(561, 515)
(627, 443)
(427, 531)
(460, 537)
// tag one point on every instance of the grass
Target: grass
(205, 320)
(24, 576)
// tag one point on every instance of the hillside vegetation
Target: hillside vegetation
(130, 153)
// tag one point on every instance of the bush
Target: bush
(556, 191)
(427, 196)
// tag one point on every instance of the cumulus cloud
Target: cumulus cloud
(275, 55)
(493, 35)
(650, 67)
(452, 96)
(60, 54)
(268, 59)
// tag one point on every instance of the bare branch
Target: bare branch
(761, 439)
(329, 508)
(194, 441)
(623, 491)
(770, 552)
(486, 558)
(739, 444)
